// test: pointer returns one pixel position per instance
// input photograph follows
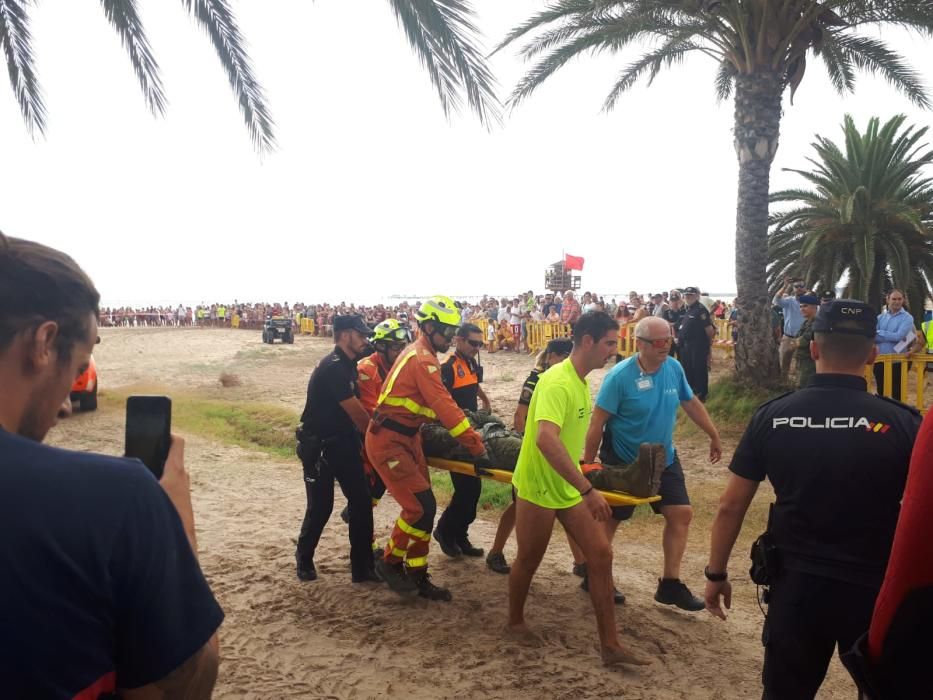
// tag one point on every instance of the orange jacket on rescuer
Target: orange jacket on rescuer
(413, 394)
(371, 373)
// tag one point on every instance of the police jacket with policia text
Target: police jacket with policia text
(462, 377)
(332, 381)
(837, 458)
(414, 394)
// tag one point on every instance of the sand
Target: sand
(330, 639)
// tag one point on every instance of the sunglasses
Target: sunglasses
(799, 286)
(448, 332)
(658, 342)
(476, 343)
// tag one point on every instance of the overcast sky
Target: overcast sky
(371, 191)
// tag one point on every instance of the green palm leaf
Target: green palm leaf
(445, 38)
(217, 19)
(124, 17)
(16, 44)
(869, 217)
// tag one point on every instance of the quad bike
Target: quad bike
(278, 328)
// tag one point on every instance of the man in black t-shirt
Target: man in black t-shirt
(100, 590)
(837, 458)
(330, 448)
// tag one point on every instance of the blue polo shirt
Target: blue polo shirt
(643, 407)
(892, 329)
(793, 319)
(99, 586)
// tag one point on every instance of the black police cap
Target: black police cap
(846, 316)
(351, 322)
(691, 290)
(827, 295)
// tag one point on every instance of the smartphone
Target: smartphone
(148, 430)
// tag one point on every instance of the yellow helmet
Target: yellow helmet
(390, 330)
(441, 309)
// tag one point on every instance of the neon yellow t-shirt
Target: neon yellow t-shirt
(560, 397)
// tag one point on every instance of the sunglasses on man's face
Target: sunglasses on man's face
(448, 332)
(476, 343)
(659, 343)
(799, 286)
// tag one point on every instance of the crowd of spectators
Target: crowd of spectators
(506, 317)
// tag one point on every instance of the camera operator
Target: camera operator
(101, 590)
(837, 458)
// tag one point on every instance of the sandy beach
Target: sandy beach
(330, 639)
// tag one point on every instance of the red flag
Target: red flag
(572, 262)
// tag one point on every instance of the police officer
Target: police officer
(329, 444)
(837, 458)
(462, 375)
(695, 342)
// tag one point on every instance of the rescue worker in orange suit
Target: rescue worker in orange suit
(462, 375)
(389, 339)
(413, 394)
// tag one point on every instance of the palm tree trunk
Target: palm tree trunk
(757, 126)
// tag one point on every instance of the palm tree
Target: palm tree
(441, 32)
(868, 218)
(761, 48)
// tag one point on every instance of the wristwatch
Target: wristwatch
(715, 578)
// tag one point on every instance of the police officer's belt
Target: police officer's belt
(395, 426)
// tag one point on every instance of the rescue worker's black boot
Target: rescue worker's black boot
(428, 590)
(395, 576)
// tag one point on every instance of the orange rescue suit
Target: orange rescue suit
(411, 395)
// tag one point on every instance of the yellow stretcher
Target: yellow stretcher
(614, 498)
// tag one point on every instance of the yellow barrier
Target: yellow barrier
(540, 333)
(307, 326)
(482, 324)
(911, 363)
(627, 340)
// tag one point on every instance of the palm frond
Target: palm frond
(218, 20)
(123, 15)
(561, 10)
(874, 56)
(444, 36)
(651, 64)
(16, 44)
(725, 80)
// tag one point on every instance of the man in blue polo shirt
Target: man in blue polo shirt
(637, 404)
(100, 591)
(788, 299)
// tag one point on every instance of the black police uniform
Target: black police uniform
(837, 458)
(675, 317)
(330, 447)
(694, 348)
(456, 519)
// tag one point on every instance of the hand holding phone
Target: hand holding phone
(148, 430)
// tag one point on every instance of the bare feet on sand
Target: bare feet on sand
(614, 656)
(522, 635)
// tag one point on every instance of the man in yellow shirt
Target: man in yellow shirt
(550, 484)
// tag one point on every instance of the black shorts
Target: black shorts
(673, 492)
